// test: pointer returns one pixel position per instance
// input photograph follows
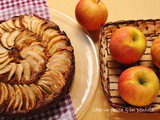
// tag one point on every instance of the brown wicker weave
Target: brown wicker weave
(110, 69)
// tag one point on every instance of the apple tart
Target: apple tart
(36, 64)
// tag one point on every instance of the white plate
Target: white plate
(86, 62)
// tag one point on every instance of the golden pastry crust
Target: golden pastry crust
(36, 65)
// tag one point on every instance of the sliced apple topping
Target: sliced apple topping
(4, 93)
(3, 59)
(11, 97)
(17, 22)
(4, 64)
(2, 50)
(3, 55)
(37, 46)
(45, 87)
(10, 24)
(34, 22)
(13, 70)
(19, 72)
(26, 71)
(38, 27)
(4, 40)
(12, 37)
(37, 92)
(25, 98)
(27, 51)
(32, 98)
(5, 27)
(35, 66)
(5, 69)
(25, 20)
(2, 30)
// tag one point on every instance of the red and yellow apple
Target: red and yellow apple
(155, 52)
(127, 45)
(138, 86)
(91, 14)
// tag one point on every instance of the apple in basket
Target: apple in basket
(91, 14)
(155, 52)
(127, 45)
(138, 86)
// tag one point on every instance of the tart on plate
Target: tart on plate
(36, 65)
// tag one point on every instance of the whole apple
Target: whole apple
(91, 14)
(155, 52)
(127, 45)
(138, 86)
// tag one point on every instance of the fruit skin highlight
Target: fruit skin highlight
(138, 86)
(91, 14)
(127, 45)
(155, 51)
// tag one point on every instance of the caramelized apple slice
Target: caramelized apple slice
(18, 97)
(17, 22)
(26, 71)
(6, 27)
(10, 24)
(25, 20)
(38, 27)
(2, 50)
(4, 40)
(2, 30)
(5, 69)
(4, 93)
(19, 72)
(4, 64)
(12, 37)
(45, 87)
(60, 45)
(32, 98)
(35, 66)
(25, 98)
(3, 55)
(35, 24)
(37, 46)
(48, 34)
(3, 59)
(25, 53)
(13, 70)
(37, 92)
(11, 98)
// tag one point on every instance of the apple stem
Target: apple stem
(98, 1)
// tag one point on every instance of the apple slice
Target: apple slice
(3, 59)
(37, 92)
(48, 34)
(13, 70)
(25, 98)
(2, 30)
(59, 45)
(26, 72)
(4, 55)
(54, 40)
(5, 27)
(32, 98)
(4, 64)
(18, 98)
(10, 24)
(4, 93)
(35, 25)
(44, 93)
(17, 22)
(4, 40)
(11, 97)
(19, 72)
(5, 69)
(25, 20)
(31, 52)
(38, 27)
(45, 87)
(37, 46)
(12, 37)
(35, 66)
(2, 50)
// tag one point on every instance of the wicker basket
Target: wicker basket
(110, 69)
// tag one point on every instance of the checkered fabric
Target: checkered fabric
(9, 8)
